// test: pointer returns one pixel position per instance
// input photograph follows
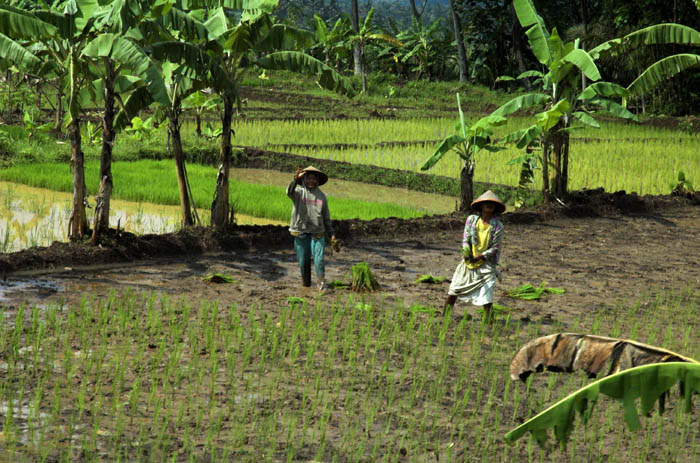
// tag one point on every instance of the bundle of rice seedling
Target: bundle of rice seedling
(429, 279)
(218, 278)
(362, 278)
(530, 292)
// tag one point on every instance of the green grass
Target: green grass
(141, 377)
(155, 182)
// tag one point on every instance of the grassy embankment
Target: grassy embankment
(145, 378)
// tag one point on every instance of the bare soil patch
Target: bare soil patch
(602, 248)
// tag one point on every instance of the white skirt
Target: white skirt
(475, 286)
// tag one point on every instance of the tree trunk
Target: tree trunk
(565, 166)
(178, 153)
(416, 14)
(198, 121)
(556, 165)
(466, 186)
(545, 171)
(220, 206)
(362, 69)
(461, 54)
(59, 108)
(39, 83)
(77, 224)
(8, 81)
(355, 13)
(101, 222)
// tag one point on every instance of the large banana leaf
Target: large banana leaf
(616, 109)
(604, 89)
(593, 354)
(586, 118)
(550, 118)
(522, 102)
(647, 382)
(136, 101)
(441, 149)
(537, 33)
(523, 137)
(126, 52)
(296, 61)
(663, 34)
(18, 55)
(20, 24)
(662, 70)
(584, 62)
(286, 37)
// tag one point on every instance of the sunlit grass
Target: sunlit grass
(156, 182)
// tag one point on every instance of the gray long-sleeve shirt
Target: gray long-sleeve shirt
(310, 213)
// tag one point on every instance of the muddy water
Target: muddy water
(38, 217)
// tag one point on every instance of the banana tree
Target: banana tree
(330, 41)
(630, 370)
(368, 34)
(253, 36)
(122, 65)
(466, 142)
(562, 103)
(200, 103)
(53, 39)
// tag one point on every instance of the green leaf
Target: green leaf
(522, 102)
(529, 74)
(18, 55)
(584, 62)
(646, 382)
(661, 71)
(296, 61)
(587, 119)
(217, 24)
(614, 108)
(537, 33)
(441, 149)
(604, 89)
(662, 34)
(20, 24)
(548, 119)
(429, 279)
(218, 278)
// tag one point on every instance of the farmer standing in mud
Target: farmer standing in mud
(311, 220)
(475, 277)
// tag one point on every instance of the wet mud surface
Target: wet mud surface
(619, 250)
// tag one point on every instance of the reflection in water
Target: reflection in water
(37, 217)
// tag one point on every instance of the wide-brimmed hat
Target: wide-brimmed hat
(489, 196)
(322, 177)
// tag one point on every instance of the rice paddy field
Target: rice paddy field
(148, 362)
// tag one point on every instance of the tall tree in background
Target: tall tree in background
(355, 15)
(417, 14)
(461, 54)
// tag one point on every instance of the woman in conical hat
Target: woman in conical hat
(311, 221)
(476, 274)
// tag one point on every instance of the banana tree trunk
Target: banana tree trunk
(461, 53)
(545, 171)
(101, 222)
(77, 224)
(362, 69)
(220, 216)
(198, 122)
(466, 186)
(179, 154)
(355, 14)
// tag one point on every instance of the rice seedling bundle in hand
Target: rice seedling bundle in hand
(363, 279)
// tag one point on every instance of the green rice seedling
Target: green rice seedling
(218, 278)
(363, 279)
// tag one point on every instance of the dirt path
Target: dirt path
(597, 260)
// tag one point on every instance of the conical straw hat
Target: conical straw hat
(322, 178)
(489, 196)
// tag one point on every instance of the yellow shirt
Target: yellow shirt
(483, 233)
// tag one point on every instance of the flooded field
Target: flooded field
(37, 217)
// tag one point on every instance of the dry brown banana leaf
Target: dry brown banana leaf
(567, 352)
